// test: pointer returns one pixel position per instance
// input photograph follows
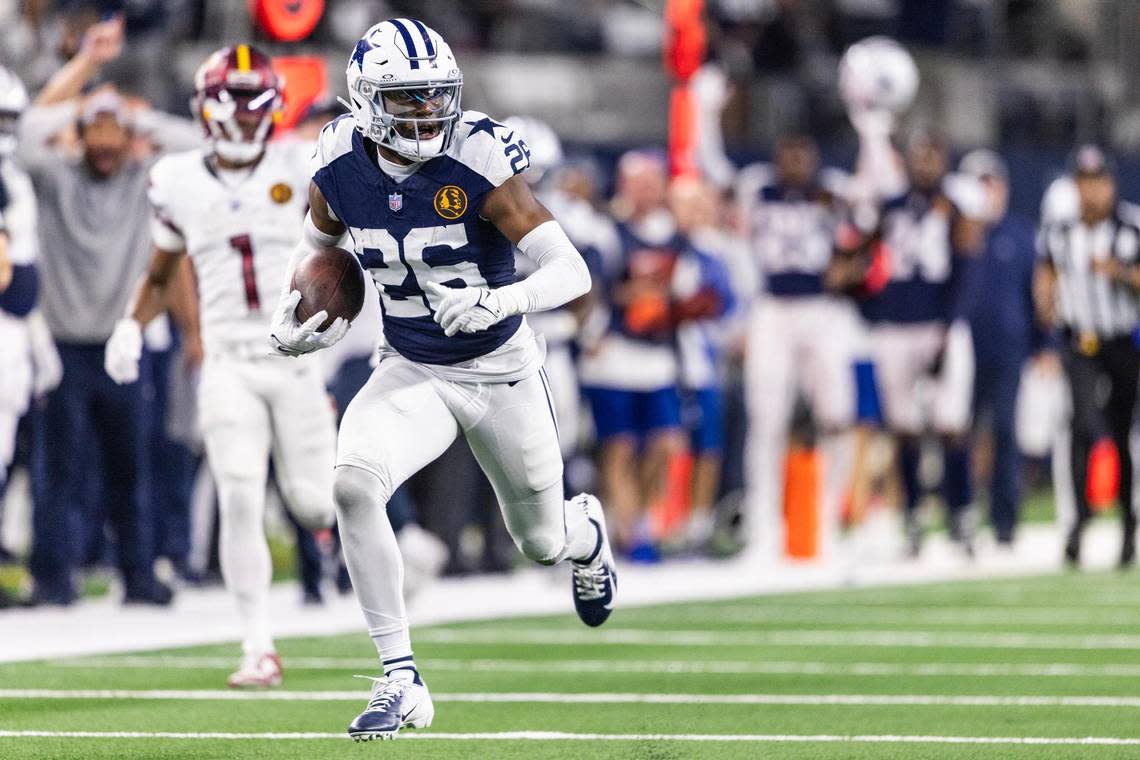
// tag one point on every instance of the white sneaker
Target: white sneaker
(395, 703)
(595, 580)
(261, 671)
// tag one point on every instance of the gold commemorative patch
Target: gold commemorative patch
(450, 202)
(281, 193)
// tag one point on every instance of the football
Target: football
(329, 279)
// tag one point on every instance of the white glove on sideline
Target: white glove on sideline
(289, 337)
(45, 358)
(873, 123)
(123, 351)
(466, 310)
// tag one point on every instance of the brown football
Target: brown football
(329, 280)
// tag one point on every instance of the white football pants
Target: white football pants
(403, 419)
(251, 409)
(804, 345)
(16, 374)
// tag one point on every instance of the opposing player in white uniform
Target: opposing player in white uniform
(236, 208)
(429, 194)
(31, 365)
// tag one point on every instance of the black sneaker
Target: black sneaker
(1128, 551)
(44, 597)
(151, 592)
(1073, 547)
(913, 528)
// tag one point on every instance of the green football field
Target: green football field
(1045, 667)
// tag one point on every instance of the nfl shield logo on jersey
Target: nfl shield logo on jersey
(395, 201)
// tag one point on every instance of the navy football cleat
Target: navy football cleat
(595, 580)
(395, 703)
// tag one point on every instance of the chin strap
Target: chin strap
(236, 151)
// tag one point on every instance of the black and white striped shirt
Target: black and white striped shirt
(1090, 302)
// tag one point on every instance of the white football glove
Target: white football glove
(45, 357)
(288, 336)
(466, 310)
(873, 123)
(123, 351)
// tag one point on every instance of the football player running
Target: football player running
(236, 208)
(430, 196)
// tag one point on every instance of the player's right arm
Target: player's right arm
(124, 349)
(154, 291)
(287, 334)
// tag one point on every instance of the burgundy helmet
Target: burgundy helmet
(237, 97)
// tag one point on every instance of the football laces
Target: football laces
(590, 582)
(386, 692)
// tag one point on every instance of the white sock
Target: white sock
(582, 539)
(244, 554)
(374, 565)
(403, 668)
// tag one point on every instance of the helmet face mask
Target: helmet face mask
(414, 121)
(238, 107)
(401, 100)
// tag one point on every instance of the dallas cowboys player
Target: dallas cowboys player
(31, 366)
(432, 201)
(923, 349)
(802, 334)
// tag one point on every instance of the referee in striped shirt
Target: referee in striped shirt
(1088, 285)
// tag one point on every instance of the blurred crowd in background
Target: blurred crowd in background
(687, 374)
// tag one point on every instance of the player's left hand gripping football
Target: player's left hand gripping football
(291, 337)
(466, 310)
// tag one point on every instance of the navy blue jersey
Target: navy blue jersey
(925, 272)
(1000, 307)
(792, 230)
(639, 285)
(426, 228)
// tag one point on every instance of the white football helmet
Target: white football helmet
(403, 88)
(545, 146)
(878, 73)
(13, 101)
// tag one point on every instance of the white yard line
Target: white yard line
(779, 637)
(681, 667)
(1110, 741)
(588, 698)
(901, 614)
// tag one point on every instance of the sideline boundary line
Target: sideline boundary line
(565, 736)
(589, 698)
